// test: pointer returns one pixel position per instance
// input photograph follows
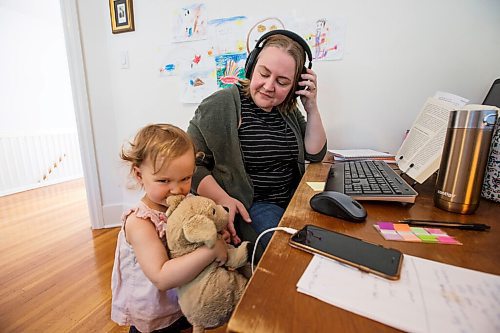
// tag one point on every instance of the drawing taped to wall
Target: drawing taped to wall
(169, 62)
(197, 84)
(175, 59)
(228, 38)
(194, 65)
(228, 34)
(218, 47)
(325, 36)
(230, 68)
(190, 23)
(261, 27)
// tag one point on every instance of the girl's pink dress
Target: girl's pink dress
(135, 300)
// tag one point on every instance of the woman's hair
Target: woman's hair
(158, 143)
(298, 54)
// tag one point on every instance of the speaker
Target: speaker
(252, 57)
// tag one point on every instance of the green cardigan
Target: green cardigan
(214, 130)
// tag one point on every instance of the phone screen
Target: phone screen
(369, 257)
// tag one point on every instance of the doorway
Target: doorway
(38, 93)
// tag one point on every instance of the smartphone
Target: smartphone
(367, 257)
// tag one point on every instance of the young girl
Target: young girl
(162, 161)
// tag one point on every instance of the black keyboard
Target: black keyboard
(369, 180)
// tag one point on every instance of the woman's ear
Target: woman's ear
(138, 174)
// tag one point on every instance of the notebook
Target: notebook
(359, 154)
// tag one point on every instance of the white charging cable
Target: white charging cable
(288, 230)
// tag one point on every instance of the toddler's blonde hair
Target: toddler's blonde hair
(158, 143)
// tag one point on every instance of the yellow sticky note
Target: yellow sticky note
(317, 186)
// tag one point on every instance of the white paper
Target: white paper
(189, 23)
(429, 297)
(451, 98)
(359, 153)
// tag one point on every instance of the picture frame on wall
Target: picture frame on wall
(122, 16)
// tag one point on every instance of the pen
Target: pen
(445, 224)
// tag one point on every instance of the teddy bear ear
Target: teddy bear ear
(172, 202)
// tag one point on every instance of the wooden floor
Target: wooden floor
(55, 270)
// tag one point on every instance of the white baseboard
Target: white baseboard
(112, 215)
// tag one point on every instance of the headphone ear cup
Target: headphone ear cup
(250, 63)
(297, 87)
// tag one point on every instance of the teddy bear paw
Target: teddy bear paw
(239, 256)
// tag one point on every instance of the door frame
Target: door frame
(71, 28)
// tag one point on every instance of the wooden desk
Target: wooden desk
(271, 302)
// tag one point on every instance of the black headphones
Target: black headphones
(252, 57)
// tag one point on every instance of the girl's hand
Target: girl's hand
(226, 236)
(308, 96)
(234, 206)
(220, 252)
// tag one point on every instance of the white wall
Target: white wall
(38, 138)
(35, 91)
(397, 54)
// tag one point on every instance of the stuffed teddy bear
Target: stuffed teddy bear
(209, 299)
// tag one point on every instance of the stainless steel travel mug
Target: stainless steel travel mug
(465, 153)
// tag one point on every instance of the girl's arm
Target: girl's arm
(152, 256)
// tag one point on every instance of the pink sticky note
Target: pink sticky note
(386, 225)
(436, 231)
(448, 240)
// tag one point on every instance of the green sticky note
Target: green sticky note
(419, 231)
(428, 238)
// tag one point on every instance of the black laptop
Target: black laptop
(493, 96)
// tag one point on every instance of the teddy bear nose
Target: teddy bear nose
(226, 208)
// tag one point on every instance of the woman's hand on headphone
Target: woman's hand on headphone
(308, 95)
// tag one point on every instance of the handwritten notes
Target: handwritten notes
(429, 297)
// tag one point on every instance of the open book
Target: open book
(420, 154)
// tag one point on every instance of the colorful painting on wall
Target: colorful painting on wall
(230, 68)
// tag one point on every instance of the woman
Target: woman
(253, 137)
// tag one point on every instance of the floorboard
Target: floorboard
(56, 270)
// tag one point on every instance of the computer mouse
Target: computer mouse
(339, 205)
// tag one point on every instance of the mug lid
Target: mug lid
(474, 116)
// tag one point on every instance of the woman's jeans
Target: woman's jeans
(265, 215)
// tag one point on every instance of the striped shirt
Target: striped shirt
(270, 152)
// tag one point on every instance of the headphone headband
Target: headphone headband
(252, 57)
(290, 34)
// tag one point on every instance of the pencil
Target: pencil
(446, 224)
